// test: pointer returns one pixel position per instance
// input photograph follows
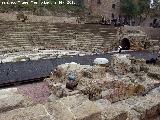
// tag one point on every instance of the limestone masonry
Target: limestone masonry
(128, 90)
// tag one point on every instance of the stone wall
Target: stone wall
(103, 7)
(137, 38)
(154, 36)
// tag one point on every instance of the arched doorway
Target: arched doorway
(125, 44)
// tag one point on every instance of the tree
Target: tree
(155, 8)
(135, 8)
(156, 4)
(127, 8)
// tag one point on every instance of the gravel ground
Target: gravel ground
(38, 92)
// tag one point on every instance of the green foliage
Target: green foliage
(134, 8)
(155, 11)
(127, 7)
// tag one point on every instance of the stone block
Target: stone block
(114, 113)
(10, 101)
(75, 107)
(30, 113)
(103, 104)
(154, 72)
(121, 64)
(94, 72)
(148, 107)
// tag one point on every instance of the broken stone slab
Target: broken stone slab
(154, 75)
(126, 105)
(30, 113)
(59, 111)
(57, 89)
(139, 107)
(93, 72)
(114, 113)
(103, 103)
(91, 88)
(144, 68)
(76, 107)
(135, 68)
(121, 64)
(81, 71)
(122, 91)
(146, 107)
(52, 98)
(7, 91)
(10, 102)
(154, 72)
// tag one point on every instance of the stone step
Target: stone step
(152, 40)
(157, 47)
(111, 33)
(144, 107)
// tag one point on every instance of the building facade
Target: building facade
(107, 8)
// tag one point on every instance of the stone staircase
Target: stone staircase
(154, 36)
(155, 40)
(85, 37)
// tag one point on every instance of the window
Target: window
(98, 1)
(113, 6)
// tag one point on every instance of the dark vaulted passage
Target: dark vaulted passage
(125, 44)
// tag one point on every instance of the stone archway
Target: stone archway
(125, 44)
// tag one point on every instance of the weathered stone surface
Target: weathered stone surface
(154, 72)
(57, 89)
(120, 64)
(103, 104)
(113, 113)
(30, 113)
(148, 107)
(80, 70)
(140, 107)
(10, 100)
(75, 107)
(91, 88)
(94, 72)
(127, 107)
(8, 91)
(52, 98)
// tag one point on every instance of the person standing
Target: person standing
(119, 49)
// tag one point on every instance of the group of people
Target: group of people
(155, 23)
(117, 22)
